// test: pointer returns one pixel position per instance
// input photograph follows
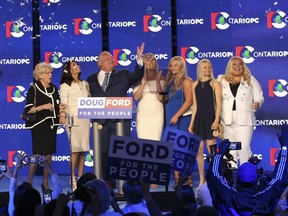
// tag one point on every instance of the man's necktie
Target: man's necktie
(105, 81)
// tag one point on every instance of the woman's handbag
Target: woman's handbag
(219, 132)
(30, 117)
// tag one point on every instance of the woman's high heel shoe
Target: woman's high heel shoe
(74, 183)
(45, 189)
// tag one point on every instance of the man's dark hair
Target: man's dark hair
(88, 176)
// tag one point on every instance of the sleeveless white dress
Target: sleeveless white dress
(150, 113)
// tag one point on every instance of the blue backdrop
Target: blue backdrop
(70, 29)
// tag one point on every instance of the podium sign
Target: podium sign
(105, 107)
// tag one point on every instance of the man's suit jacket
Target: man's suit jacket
(119, 83)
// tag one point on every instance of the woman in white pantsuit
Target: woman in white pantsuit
(242, 95)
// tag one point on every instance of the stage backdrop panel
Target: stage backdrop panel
(71, 29)
(253, 30)
(149, 22)
(16, 68)
(75, 34)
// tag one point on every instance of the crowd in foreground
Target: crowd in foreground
(94, 197)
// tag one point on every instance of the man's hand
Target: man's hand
(140, 51)
(283, 138)
(22, 160)
(224, 147)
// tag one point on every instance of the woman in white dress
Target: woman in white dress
(71, 88)
(150, 113)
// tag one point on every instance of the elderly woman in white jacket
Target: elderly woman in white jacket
(242, 95)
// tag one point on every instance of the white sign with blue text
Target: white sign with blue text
(105, 107)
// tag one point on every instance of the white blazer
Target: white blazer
(245, 97)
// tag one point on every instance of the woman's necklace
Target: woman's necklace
(203, 83)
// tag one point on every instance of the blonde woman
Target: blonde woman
(205, 111)
(242, 95)
(150, 112)
(180, 98)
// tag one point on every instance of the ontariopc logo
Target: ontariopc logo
(219, 20)
(53, 58)
(81, 25)
(15, 94)
(152, 23)
(14, 29)
(121, 57)
(222, 20)
(245, 52)
(189, 54)
(89, 159)
(13, 157)
(276, 19)
(277, 88)
(50, 1)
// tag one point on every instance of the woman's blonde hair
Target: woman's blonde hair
(200, 73)
(179, 78)
(41, 68)
(229, 69)
(147, 55)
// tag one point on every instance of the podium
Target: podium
(97, 149)
(117, 108)
(96, 127)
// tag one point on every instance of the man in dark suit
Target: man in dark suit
(109, 82)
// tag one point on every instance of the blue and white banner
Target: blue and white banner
(105, 107)
(185, 149)
(131, 158)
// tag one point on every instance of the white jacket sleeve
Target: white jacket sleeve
(257, 91)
